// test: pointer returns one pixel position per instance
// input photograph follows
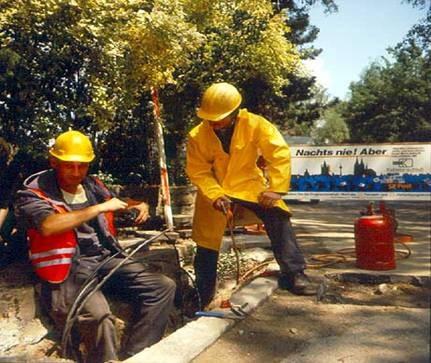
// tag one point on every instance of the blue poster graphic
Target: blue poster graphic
(382, 171)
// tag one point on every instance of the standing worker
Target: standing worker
(222, 155)
(68, 217)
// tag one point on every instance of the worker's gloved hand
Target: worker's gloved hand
(268, 199)
(222, 204)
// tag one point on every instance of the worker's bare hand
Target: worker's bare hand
(222, 204)
(144, 212)
(268, 199)
(112, 205)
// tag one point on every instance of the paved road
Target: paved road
(292, 329)
(328, 227)
(287, 328)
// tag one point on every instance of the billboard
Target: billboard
(373, 172)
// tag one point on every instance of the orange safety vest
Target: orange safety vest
(51, 256)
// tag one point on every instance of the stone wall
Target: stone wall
(182, 196)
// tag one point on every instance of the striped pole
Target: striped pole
(164, 179)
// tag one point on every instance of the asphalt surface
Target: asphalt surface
(282, 327)
(291, 329)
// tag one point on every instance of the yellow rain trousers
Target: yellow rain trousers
(236, 175)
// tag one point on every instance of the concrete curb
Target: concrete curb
(188, 342)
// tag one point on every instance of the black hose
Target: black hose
(88, 290)
(195, 287)
(86, 286)
(177, 255)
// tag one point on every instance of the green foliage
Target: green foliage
(299, 105)
(130, 147)
(391, 102)
(302, 32)
(49, 72)
(332, 129)
(419, 3)
(85, 65)
(244, 43)
(243, 40)
(222, 40)
(106, 178)
(158, 42)
(251, 45)
(89, 65)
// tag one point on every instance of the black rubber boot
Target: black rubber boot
(298, 283)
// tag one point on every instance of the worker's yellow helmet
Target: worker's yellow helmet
(72, 146)
(218, 101)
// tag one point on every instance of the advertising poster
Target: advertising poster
(374, 172)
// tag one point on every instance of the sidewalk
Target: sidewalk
(287, 328)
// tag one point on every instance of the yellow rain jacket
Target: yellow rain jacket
(236, 175)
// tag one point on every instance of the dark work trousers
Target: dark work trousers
(150, 294)
(205, 265)
(283, 243)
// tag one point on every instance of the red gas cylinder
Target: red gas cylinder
(374, 242)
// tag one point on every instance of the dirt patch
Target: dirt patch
(400, 294)
(29, 336)
(45, 351)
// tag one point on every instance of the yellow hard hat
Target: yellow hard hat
(218, 101)
(72, 146)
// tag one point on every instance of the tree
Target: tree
(256, 47)
(90, 64)
(244, 44)
(234, 41)
(418, 3)
(331, 129)
(84, 64)
(40, 84)
(391, 101)
(299, 105)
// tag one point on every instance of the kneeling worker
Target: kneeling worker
(68, 218)
(222, 156)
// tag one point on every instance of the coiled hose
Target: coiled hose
(90, 286)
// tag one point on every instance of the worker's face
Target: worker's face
(222, 124)
(69, 173)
